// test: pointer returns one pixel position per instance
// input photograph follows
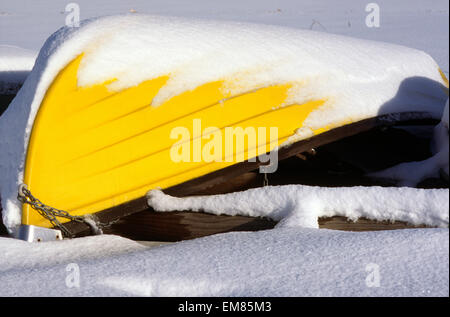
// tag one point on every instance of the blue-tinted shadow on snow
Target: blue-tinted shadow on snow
(419, 94)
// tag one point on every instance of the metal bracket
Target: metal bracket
(37, 234)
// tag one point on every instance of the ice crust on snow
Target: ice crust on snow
(357, 78)
(299, 205)
(279, 262)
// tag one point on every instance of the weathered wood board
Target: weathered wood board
(177, 226)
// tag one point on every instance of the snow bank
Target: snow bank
(298, 205)
(279, 262)
(358, 78)
(15, 65)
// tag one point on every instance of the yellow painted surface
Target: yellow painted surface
(92, 149)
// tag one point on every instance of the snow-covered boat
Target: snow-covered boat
(109, 108)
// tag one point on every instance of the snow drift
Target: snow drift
(298, 205)
(281, 262)
(358, 78)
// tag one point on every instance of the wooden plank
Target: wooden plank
(363, 224)
(206, 183)
(177, 226)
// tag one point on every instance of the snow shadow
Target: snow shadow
(415, 92)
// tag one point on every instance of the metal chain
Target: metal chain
(266, 180)
(48, 212)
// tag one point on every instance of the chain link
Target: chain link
(48, 212)
(266, 180)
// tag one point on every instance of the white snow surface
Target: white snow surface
(358, 78)
(278, 262)
(413, 23)
(299, 205)
(15, 65)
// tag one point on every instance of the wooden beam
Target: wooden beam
(177, 226)
(363, 224)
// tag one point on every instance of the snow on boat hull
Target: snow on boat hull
(92, 149)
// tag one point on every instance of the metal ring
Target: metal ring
(21, 188)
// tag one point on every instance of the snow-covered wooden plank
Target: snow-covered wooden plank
(177, 226)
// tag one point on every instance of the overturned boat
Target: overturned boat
(123, 105)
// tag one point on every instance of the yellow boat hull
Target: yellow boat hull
(92, 149)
